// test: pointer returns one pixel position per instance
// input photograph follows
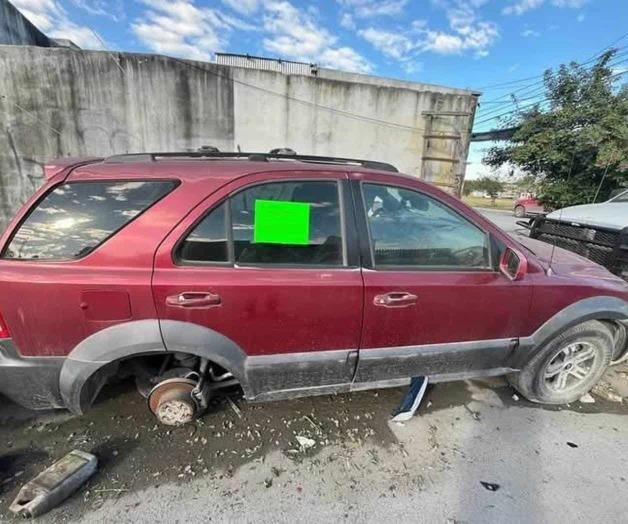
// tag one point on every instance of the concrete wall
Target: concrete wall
(17, 30)
(64, 102)
(318, 115)
(61, 102)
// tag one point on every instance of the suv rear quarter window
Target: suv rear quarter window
(75, 218)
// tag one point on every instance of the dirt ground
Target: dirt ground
(248, 465)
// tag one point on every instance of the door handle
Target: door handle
(194, 299)
(395, 299)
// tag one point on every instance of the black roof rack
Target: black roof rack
(256, 157)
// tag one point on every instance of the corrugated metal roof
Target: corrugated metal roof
(286, 67)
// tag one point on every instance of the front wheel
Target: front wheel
(520, 211)
(568, 366)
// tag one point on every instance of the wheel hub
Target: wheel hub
(570, 366)
(172, 403)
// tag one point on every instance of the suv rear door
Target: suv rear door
(434, 302)
(288, 292)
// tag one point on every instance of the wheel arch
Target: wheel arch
(99, 356)
(602, 308)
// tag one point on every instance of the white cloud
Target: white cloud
(183, 28)
(530, 33)
(113, 10)
(295, 34)
(50, 17)
(245, 7)
(574, 4)
(394, 45)
(466, 32)
(369, 8)
(180, 28)
(522, 6)
(347, 21)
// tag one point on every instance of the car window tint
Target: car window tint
(287, 223)
(408, 228)
(208, 240)
(76, 217)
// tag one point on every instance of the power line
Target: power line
(541, 85)
(33, 116)
(347, 114)
(487, 117)
(595, 55)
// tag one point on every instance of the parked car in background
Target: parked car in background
(288, 276)
(598, 232)
(527, 205)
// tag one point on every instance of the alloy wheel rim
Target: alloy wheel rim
(571, 366)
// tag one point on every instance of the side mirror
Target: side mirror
(513, 264)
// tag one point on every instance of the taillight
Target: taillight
(4, 329)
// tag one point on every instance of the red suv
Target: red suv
(288, 276)
(527, 205)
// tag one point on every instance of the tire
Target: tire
(520, 211)
(539, 380)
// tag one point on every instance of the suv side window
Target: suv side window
(411, 229)
(75, 218)
(296, 223)
(292, 223)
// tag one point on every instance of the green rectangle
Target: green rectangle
(280, 222)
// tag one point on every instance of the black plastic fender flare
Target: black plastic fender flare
(593, 308)
(78, 380)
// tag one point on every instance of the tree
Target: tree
(491, 185)
(526, 184)
(469, 187)
(575, 142)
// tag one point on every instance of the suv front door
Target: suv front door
(434, 301)
(270, 263)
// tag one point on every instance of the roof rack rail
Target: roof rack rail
(257, 157)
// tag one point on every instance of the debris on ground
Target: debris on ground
(235, 408)
(572, 444)
(606, 391)
(587, 399)
(411, 400)
(490, 486)
(54, 485)
(515, 397)
(305, 442)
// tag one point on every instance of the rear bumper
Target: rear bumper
(32, 382)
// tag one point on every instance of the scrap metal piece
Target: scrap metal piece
(412, 399)
(54, 485)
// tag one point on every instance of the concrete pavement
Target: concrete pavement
(541, 464)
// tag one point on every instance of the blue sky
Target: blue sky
(463, 43)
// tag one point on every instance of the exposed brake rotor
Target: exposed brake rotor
(171, 401)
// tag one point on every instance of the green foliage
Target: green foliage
(469, 187)
(576, 141)
(491, 185)
(527, 184)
